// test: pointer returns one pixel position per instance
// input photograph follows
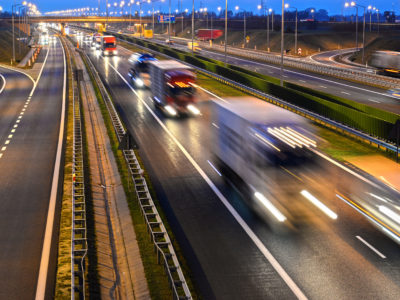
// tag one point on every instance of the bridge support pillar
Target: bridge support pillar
(62, 28)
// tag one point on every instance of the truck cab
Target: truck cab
(173, 88)
(109, 45)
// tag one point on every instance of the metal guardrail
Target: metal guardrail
(79, 229)
(158, 233)
(308, 114)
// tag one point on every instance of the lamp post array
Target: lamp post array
(354, 4)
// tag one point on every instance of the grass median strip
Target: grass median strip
(155, 274)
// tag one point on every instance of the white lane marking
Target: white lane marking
(302, 81)
(323, 86)
(214, 168)
(285, 76)
(4, 83)
(346, 93)
(267, 254)
(10, 136)
(23, 109)
(311, 76)
(370, 246)
(26, 105)
(369, 99)
(16, 125)
(21, 113)
(18, 71)
(1, 155)
(7, 142)
(3, 149)
(211, 93)
(215, 125)
(12, 130)
(45, 257)
(18, 120)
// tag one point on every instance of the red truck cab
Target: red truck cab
(109, 45)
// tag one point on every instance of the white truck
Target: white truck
(259, 147)
(172, 86)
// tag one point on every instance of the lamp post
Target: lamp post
(13, 29)
(370, 8)
(295, 32)
(260, 7)
(271, 11)
(192, 25)
(312, 13)
(353, 4)
(169, 21)
(226, 27)
(244, 25)
(377, 13)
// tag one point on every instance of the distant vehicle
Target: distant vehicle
(387, 62)
(109, 45)
(196, 47)
(139, 72)
(209, 34)
(172, 87)
(395, 92)
(44, 38)
(169, 42)
(88, 38)
(253, 143)
(96, 40)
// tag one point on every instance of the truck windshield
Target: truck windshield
(109, 45)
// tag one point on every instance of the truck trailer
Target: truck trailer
(387, 62)
(108, 45)
(259, 146)
(172, 86)
(209, 34)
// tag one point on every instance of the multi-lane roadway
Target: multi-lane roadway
(232, 253)
(30, 153)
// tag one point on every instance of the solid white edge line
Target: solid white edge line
(267, 254)
(370, 246)
(4, 83)
(45, 257)
(18, 71)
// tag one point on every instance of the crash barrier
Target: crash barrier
(78, 230)
(30, 58)
(155, 226)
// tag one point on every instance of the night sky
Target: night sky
(333, 6)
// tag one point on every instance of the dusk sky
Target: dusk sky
(333, 6)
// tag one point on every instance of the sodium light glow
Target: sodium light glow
(277, 214)
(319, 204)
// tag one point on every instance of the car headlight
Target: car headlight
(139, 82)
(170, 110)
(115, 51)
(193, 109)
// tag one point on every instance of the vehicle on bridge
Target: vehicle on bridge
(387, 62)
(108, 45)
(139, 72)
(172, 85)
(259, 147)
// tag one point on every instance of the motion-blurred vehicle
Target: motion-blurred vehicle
(108, 45)
(395, 92)
(387, 62)
(196, 47)
(139, 72)
(88, 38)
(260, 148)
(209, 34)
(172, 87)
(44, 38)
(96, 41)
(169, 42)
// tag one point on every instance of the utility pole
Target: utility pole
(226, 27)
(282, 37)
(192, 25)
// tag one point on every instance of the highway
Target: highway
(328, 58)
(372, 96)
(29, 135)
(234, 254)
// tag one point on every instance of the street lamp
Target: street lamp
(282, 38)
(377, 14)
(244, 25)
(271, 11)
(371, 9)
(13, 29)
(226, 27)
(312, 13)
(295, 33)
(353, 4)
(260, 7)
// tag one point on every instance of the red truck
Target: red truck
(108, 45)
(172, 86)
(209, 34)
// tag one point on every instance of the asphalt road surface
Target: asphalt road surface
(227, 245)
(29, 130)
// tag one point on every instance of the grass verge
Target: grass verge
(63, 276)
(155, 274)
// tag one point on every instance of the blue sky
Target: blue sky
(333, 6)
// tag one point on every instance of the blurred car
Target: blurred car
(169, 42)
(395, 92)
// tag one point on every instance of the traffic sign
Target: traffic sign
(165, 19)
